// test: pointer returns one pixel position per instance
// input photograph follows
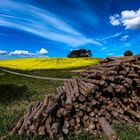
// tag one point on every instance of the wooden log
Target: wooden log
(112, 72)
(123, 72)
(137, 81)
(65, 128)
(133, 75)
(125, 118)
(52, 105)
(103, 61)
(60, 93)
(48, 123)
(82, 91)
(33, 112)
(129, 59)
(18, 125)
(58, 114)
(85, 117)
(136, 66)
(76, 87)
(92, 114)
(80, 113)
(98, 95)
(70, 86)
(33, 129)
(82, 98)
(26, 115)
(98, 126)
(68, 102)
(110, 88)
(133, 113)
(84, 86)
(82, 107)
(94, 81)
(127, 69)
(63, 111)
(72, 122)
(120, 77)
(55, 128)
(43, 107)
(112, 59)
(93, 102)
(90, 97)
(88, 109)
(111, 64)
(77, 129)
(115, 114)
(120, 89)
(107, 129)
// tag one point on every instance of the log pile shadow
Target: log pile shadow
(13, 92)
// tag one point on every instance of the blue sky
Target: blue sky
(52, 28)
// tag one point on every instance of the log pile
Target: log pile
(103, 95)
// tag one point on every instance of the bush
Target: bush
(128, 53)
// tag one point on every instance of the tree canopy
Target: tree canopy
(80, 53)
(128, 53)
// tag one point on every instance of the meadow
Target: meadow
(48, 63)
(17, 92)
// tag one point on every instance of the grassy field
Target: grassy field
(48, 63)
(17, 92)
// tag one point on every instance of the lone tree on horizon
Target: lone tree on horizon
(80, 53)
(128, 53)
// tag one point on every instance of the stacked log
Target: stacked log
(103, 95)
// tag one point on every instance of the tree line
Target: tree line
(88, 53)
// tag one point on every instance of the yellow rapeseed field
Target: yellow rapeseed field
(47, 63)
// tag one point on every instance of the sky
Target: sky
(53, 28)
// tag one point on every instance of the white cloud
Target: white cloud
(42, 51)
(20, 52)
(2, 52)
(114, 20)
(131, 19)
(124, 38)
(128, 18)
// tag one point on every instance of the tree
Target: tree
(128, 53)
(80, 53)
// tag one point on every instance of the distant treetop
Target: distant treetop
(80, 53)
(128, 53)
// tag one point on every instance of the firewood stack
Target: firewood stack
(103, 95)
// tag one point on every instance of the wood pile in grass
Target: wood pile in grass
(103, 95)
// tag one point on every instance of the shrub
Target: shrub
(128, 53)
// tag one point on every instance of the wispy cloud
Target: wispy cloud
(41, 23)
(112, 36)
(104, 48)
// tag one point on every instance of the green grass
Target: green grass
(58, 73)
(126, 132)
(17, 92)
(48, 63)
